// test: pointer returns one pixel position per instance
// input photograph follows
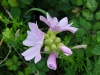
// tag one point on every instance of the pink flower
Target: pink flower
(60, 26)
(35, 40)
(51, 62)
(67, 51)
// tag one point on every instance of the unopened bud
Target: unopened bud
(47, 48)
(59, 45)
(46, 36)
(57, 40)
(48, 41)
(53, 47)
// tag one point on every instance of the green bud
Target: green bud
(57, 40)
(46, 36)
(53, 47)
(59, 45)
(48, 41)
(46, 48)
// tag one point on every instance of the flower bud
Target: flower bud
(57, 40)
(46, 36)
(48, 41)
(53, 47)
(46, 48)
(59, 45)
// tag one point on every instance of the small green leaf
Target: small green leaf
(15, 59)
(27, 1)
(92, 4)
(53, 13)
(9, 62)
(97, 15)
(79, 2)
(20, 73)
(14, 10)
(37, 9)
(27, 71)
(96, 50)
(33, 67)
(13, 3)
(87, 14)
(98, 36)
(96, 26)
(97, 67)
(4, 3)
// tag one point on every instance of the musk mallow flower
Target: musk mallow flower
(56, 26)
(34, 39)
(51, 62)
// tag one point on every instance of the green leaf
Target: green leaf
(97, 67)
(97, 15)
(79, 2)
(92, 4)
(89, 65)
(27, 1)
(4, 3)
(27, 71)
(13, 3)
(80, 32)
(87, 14)
(37, 9)
(20, 73)
(33, 67)
(63, 5)
(96, 50)
(86, 40)
(15, 59)
(41, 64)
(84, 23)
(42, 73)
(96, 26)
(98, 36)
(69, 71)
(9, 62)
(14, 10)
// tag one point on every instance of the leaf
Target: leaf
(32, 67)
(97, 67)
(98, 36)
(15, 59)
(79, 2)
(20, 73)
(27, 1)
(53, 13)
(80, 32)
(27, 71)
(89, 65)
(4, 3)
(96, 26)
(69, 72)
(87, 14)
(96, 50)
(63, 5)
(37, 9)
(84, 23)
(13, 3)
(14, 10)
(92, 4)
(97, 15)
(9, 62)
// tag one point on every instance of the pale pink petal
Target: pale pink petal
(51, 62)
(45, 20)
(54, 22)
(63, 22)
(67, 28)
(67, 51)
(31, 52)
(37, 58)
(35, 30)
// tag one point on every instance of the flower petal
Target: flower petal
(63, 22)
(31, 52)
(37, 58)
(67, 51)
(71, 29)
(45, 20)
